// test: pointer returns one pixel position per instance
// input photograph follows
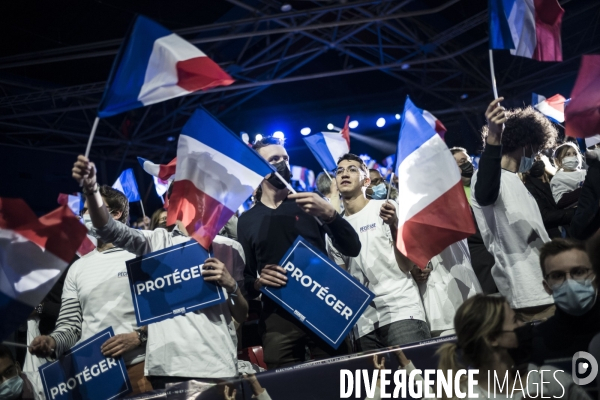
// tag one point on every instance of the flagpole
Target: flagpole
(327, 173)
(390, 187)
(13, 344)
(493, 73)
(291, 189)
(142, 205)
(91, 139)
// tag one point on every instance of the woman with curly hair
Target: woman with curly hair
(508, 216)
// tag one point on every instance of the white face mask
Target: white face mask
(87, 220)
(11, 388)
(571, 163)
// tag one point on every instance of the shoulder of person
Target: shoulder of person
(225, 241)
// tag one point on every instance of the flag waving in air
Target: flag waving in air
(528, 28)
(127, 185)
(155, 65)
(433, 211)
(435, 123)
(553, 108)
(583, 112)
(216, 173)
(33, 255)
(162, 174)
(328, 147)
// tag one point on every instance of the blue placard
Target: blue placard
(169, 282)
(84, 373)
(321, 295)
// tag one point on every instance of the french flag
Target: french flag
(433, 211)
(528, 28)
(75, 203)
(582, 115)
(304, 176)
(553, 108)
(216, 173)
(435, 123)
(328, 147)
(164, 172)
(33, 255)
(155, 65)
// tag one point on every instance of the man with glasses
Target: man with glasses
(571, 281)
(507, 215)
(396, 315)
(14, 384)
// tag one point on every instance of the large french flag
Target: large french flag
(528, 28)
(216, 173)
(154, 65)
(582, 115)
(433, 211)
(75, 203)
(328, 147)
(33, 254)
(553, 107)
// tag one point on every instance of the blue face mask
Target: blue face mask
(11, 388)
(575, 298)
(526, 162)
(379, 192)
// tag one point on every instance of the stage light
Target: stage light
(397, 116)
(257, 137)
(464, 96)
(278, 135)
(380, 122)
(353, 124)
(170, 138)
(245, 137)
(330, 126)
(405, 66)
(286, 8)
(305, 131)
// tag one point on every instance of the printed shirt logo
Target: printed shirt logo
(122, 274)
(367, 228)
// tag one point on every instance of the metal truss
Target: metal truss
(269, 47)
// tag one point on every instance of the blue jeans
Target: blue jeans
(395, 334)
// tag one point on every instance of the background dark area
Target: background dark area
(49, 89)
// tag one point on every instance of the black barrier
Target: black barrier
(314, 380)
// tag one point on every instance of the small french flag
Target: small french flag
(553, 108)
(328, 147)
(155, 65)
(435, 123)
(164, 172)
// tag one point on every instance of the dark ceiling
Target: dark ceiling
(309, 66)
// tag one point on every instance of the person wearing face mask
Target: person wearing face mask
(566, 184)
(508, 216)
(537, 181)
(14, 384)
(266, 232)
(570, 279)
(485, 339)
(378, 187)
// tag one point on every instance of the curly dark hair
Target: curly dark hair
(523, 127)
(116, 201)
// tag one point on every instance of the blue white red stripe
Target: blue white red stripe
(553, 107)
(528, 28)
(34, 253)
(328, 147)
(304, 176)
(127, 185)
(435, 123)
(433, 211)
(155, 65)
(216, 173)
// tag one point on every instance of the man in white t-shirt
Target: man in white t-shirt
(201, 345)
(507, 214)
(396, 315)
(96, 296)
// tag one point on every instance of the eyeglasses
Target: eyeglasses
(555, 279)
(352, 170)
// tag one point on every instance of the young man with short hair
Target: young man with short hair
(508, 216)
(570, 279)
(396, 315)
(266, 232)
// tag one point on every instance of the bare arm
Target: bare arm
(388, 214)
(216, 272)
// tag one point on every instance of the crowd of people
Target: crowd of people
(521, 291)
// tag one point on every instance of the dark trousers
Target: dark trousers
(285, 341)
(395, 334)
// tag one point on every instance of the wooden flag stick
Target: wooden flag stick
(291, 189)
(390, 187)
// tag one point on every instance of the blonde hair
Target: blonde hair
(476, 322)
(561, 150)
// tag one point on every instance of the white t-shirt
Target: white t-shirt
(513, 231)
(396, 293)
(202, 344)
(564, 182)
(451, 281)
(99, 282)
